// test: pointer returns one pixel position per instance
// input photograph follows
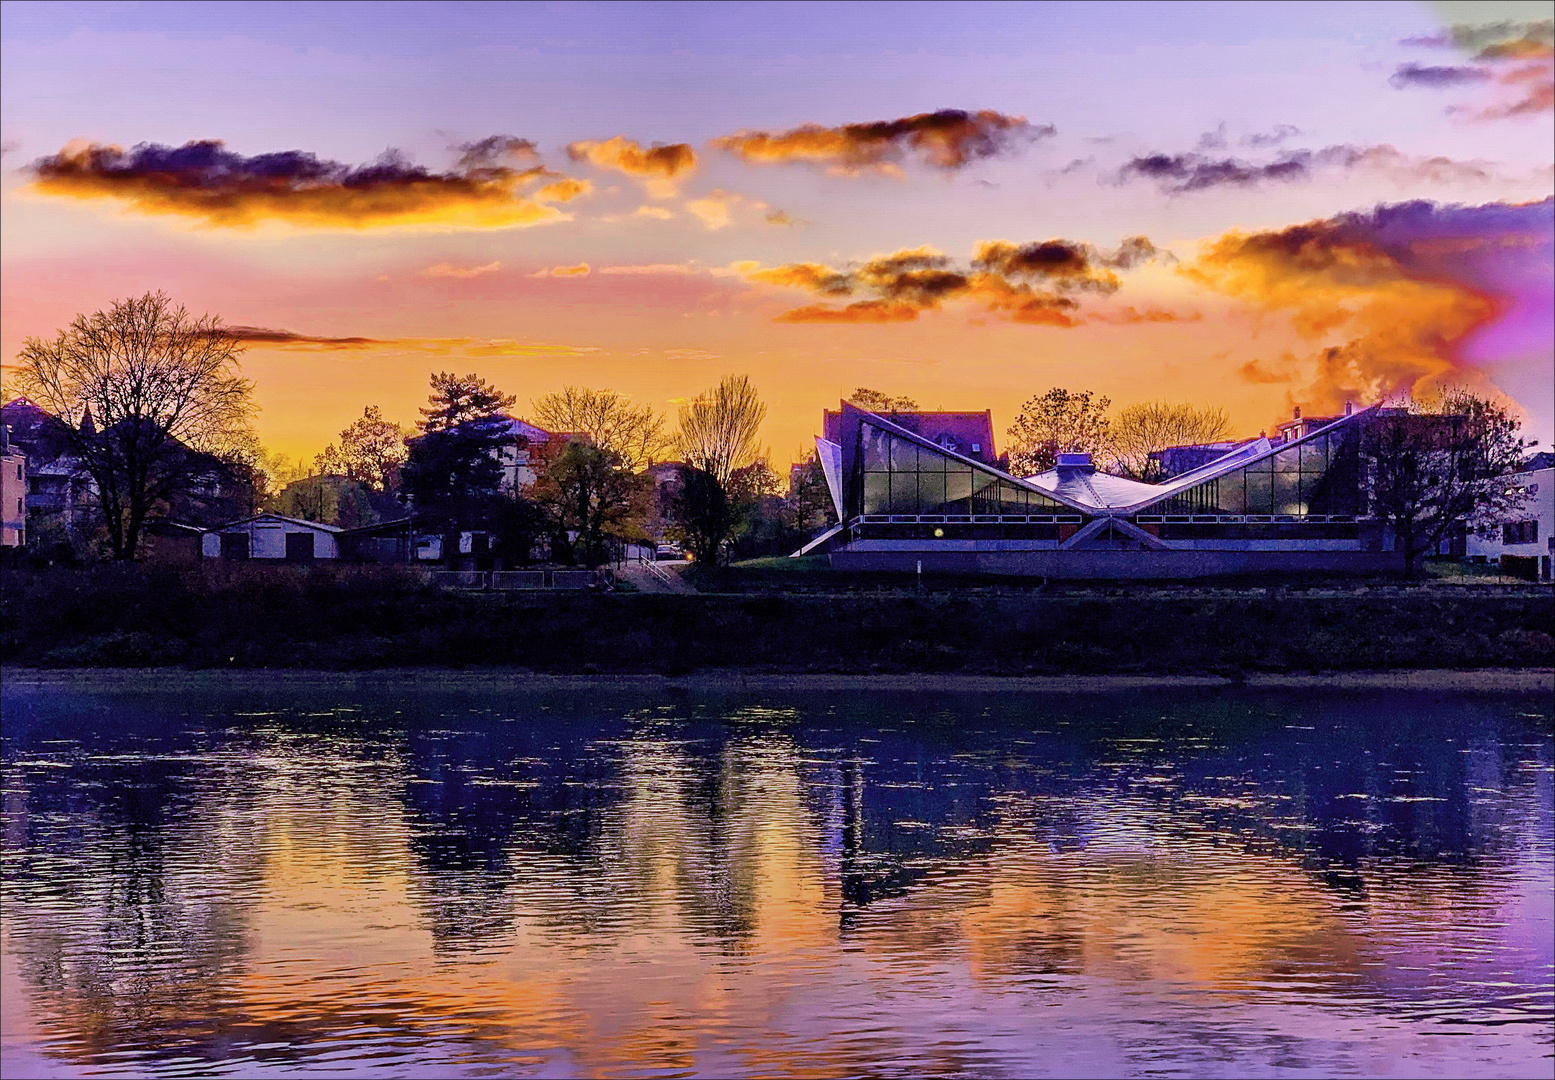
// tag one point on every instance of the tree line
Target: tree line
(150, 399)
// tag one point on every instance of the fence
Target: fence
(515, 580)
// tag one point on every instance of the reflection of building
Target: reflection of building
(1525, 545)
(1291, 504)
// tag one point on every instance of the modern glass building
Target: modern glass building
(904, 501)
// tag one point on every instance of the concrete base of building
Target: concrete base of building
(1120, 565)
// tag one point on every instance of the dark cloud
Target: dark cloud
(1262, 140)
(206, 181)
(1436, 78)
(947, 139)
(263, 336)
(1179, 174)
(494, 150)
(1027, 283)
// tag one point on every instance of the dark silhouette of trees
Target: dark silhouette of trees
(1439, 465)
(149, 398)
(454, 469)
(877, 402)
(701, 513)
(1054, 423)
(457, 399)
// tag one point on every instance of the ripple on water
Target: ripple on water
(569, 884)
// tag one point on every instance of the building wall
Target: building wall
(267, 540)
(13, 500)
(1539, 509)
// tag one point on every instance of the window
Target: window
(1317, 477)
(1520, 532)
(902, 477)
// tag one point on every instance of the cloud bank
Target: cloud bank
(216, 187)
(948, 139)
(1389, 299)
(1027, 283)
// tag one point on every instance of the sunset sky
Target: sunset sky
(1255, 205)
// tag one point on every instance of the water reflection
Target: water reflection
(587, 883)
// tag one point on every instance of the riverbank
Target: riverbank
(1483, 681)
(117, 617)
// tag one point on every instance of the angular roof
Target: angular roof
(1102, 493)
(912, 436)
(278, 517)
(959, 431)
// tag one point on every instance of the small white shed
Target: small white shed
(272, 536)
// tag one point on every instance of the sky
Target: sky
(1257, 206)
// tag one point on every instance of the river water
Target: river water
(396, 876)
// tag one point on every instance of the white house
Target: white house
(1531, 532)
(272, 536)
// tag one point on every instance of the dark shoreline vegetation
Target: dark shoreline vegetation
(353, 618)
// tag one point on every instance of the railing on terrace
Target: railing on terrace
(514, 580)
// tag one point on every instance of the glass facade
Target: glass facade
(1316, 478)
(896, 476)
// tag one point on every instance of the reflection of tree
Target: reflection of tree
(127, 901)
(634, 880)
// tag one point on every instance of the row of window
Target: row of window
(900, 477)
(1321, 477)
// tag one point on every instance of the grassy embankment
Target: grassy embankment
(352, 618)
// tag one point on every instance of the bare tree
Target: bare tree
(718, 430)
(148, 397)
(877, 402)
(1143, 430)
(1054, 423)
(1438, 465)
(634, 433)
(371, 450)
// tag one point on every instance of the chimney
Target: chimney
(1349, 407)
(1297, 416)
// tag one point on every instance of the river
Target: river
(397, 876)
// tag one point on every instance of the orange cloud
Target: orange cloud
(1387, 299)
(580, 270)
(661, 166)
(448, 270)
(440, 347)
(864, 311)
(206, 182)
(947, 139)
(649, 269)
(260, 335)
(1025, 283)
